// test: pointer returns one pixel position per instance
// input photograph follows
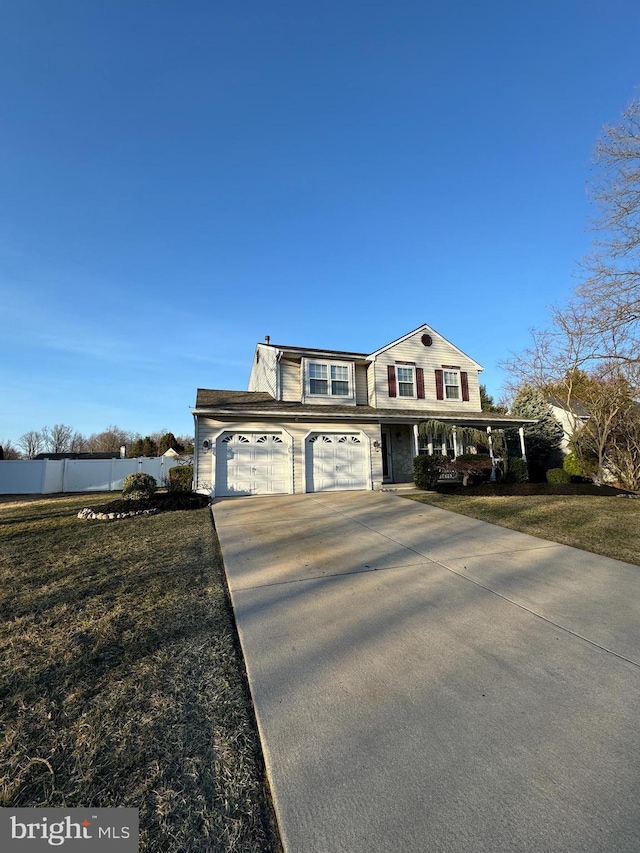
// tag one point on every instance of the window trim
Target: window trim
(399, 382)
(328, 364)
(464, 395)
(457, 386)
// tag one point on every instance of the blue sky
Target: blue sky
(179, 179)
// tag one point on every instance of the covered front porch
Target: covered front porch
(402, 440)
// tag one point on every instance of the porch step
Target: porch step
(399, 487)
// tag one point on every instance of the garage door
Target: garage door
(336, 461)
(251, 463)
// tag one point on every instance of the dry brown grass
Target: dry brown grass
(604, 525)
(121, 681)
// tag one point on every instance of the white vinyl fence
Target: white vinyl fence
(45, 476)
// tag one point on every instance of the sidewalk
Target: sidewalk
(427, 682)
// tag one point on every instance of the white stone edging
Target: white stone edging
(88, 514)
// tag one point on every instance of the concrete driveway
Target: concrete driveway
(427, 682)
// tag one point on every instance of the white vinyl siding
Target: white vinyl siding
(290, 387)
(263, 375)
(362, 391)
(430, 359)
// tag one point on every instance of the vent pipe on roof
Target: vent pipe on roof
(267, 339)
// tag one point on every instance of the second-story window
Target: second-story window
(451, 385)
(339, 380)
(318, 379)
(406, 386)
(329, 380)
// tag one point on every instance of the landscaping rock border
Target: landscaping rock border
(88, 514)
(159, 502)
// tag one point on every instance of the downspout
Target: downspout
(278, 377)
(195, 452)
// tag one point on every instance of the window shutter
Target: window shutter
(464, 381)
(391, 377)
(439, 385)
(420, 383)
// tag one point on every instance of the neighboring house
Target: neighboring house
(320, 420)
(571, 418)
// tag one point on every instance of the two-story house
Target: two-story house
(317, 420)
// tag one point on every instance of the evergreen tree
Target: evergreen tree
(169, 442)
(143, 447)
(487, 404)
(543, 438)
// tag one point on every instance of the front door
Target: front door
(387, 469)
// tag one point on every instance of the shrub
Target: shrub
(473, 465)
(138, 486)
(516, 470)
(426, 470)
(556, 476)
(581, 468)
(180, 478)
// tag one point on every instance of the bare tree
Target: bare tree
(607, 397)
(623, 457)
(110, 440)
(601, 323)
(31, 443)
(7, 450)
(77, 443)
(57, 439)
(611, 290)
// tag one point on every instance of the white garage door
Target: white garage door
(251, 463)
(336, 461)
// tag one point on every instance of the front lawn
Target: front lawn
(121, 683)
(607, 525)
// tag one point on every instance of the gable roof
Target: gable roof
(424, 328)
(576, 407)
(331, 353)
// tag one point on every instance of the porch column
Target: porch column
(521, 433)
(492, 477)
(416, 440)
(455, 442)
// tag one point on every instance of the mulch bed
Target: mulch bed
(521, 489)
(161, 502)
